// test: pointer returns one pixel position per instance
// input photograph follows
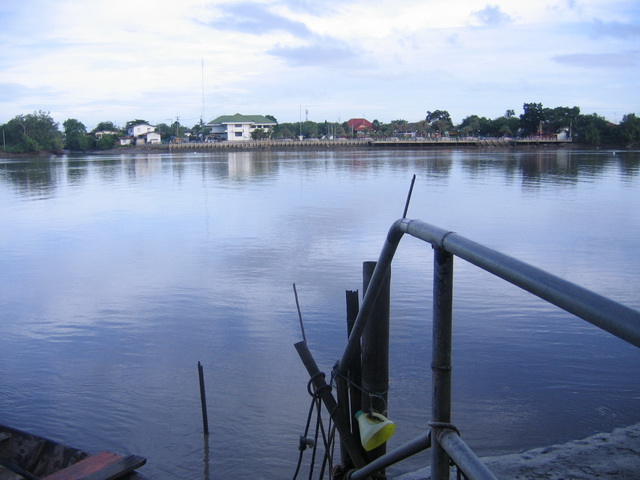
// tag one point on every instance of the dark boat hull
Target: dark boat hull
(38, 456)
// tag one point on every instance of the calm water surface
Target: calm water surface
(120, 272)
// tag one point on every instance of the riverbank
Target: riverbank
(604, 455)
(394, 143)
(323, 145)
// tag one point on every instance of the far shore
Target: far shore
(320, 145)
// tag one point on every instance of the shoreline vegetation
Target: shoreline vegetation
(536, 126)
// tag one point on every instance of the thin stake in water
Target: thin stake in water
(295, 292)
(406, 205)
(203, 400)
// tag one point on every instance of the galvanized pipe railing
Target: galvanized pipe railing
(462, 456)
(406, 450)
(602, 312)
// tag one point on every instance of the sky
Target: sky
(323, 60)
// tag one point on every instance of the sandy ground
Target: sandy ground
(614, 455)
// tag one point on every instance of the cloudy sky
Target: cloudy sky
(330, 60)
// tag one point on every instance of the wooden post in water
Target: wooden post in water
(375, 353)
(348, 397)
(203, 400)
(355, 372)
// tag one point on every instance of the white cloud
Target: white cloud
(120, 60)
(492, 16)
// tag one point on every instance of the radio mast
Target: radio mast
(202, 115)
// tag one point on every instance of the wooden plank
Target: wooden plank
(101, 466)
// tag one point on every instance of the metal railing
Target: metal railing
(443, 437)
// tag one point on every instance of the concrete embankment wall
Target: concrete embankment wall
(337, 144)
(260, 145)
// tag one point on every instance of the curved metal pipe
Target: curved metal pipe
(602, 312)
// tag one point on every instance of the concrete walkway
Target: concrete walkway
(614, 455)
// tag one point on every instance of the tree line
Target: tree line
(39, 132)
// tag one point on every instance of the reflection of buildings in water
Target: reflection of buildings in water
(241, 164)
(145, 165)
(252, 164)
(550, 162)
(563, 159)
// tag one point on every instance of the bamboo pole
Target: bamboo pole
(203, 400)
(375, 352)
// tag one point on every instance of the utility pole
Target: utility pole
(203, 112)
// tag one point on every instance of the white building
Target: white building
(239, 127)
(143, 133)
(149, 137)
(140, 129)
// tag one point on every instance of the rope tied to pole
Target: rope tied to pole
(328, 439)
(379, 395)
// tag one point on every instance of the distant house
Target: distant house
(239, 127)
(149, 137)
(360, 126)
(140, 129)
(141, 134)
(101, 133)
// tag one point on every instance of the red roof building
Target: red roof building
(360, 125)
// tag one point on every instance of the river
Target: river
(121, 271)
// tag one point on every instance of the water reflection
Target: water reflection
(41, 176)
(131, 268)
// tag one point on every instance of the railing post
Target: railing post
(441, 357)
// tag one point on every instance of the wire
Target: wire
(371, 395)
(303, 444)
(327, 440)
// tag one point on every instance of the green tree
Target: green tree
(165, 131)
(532, 118)
(595, 130)
(397, 126)
(630, 129)
(177, 129)
(32, 133)
(199, 130)
(559, 118)
(439, 121)
(310, 129)
(106, 142)
(75, 135)
(507, 125)
(474, 125)
(106, 126)
(283, 131)
(258, 134)
(420, 128)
